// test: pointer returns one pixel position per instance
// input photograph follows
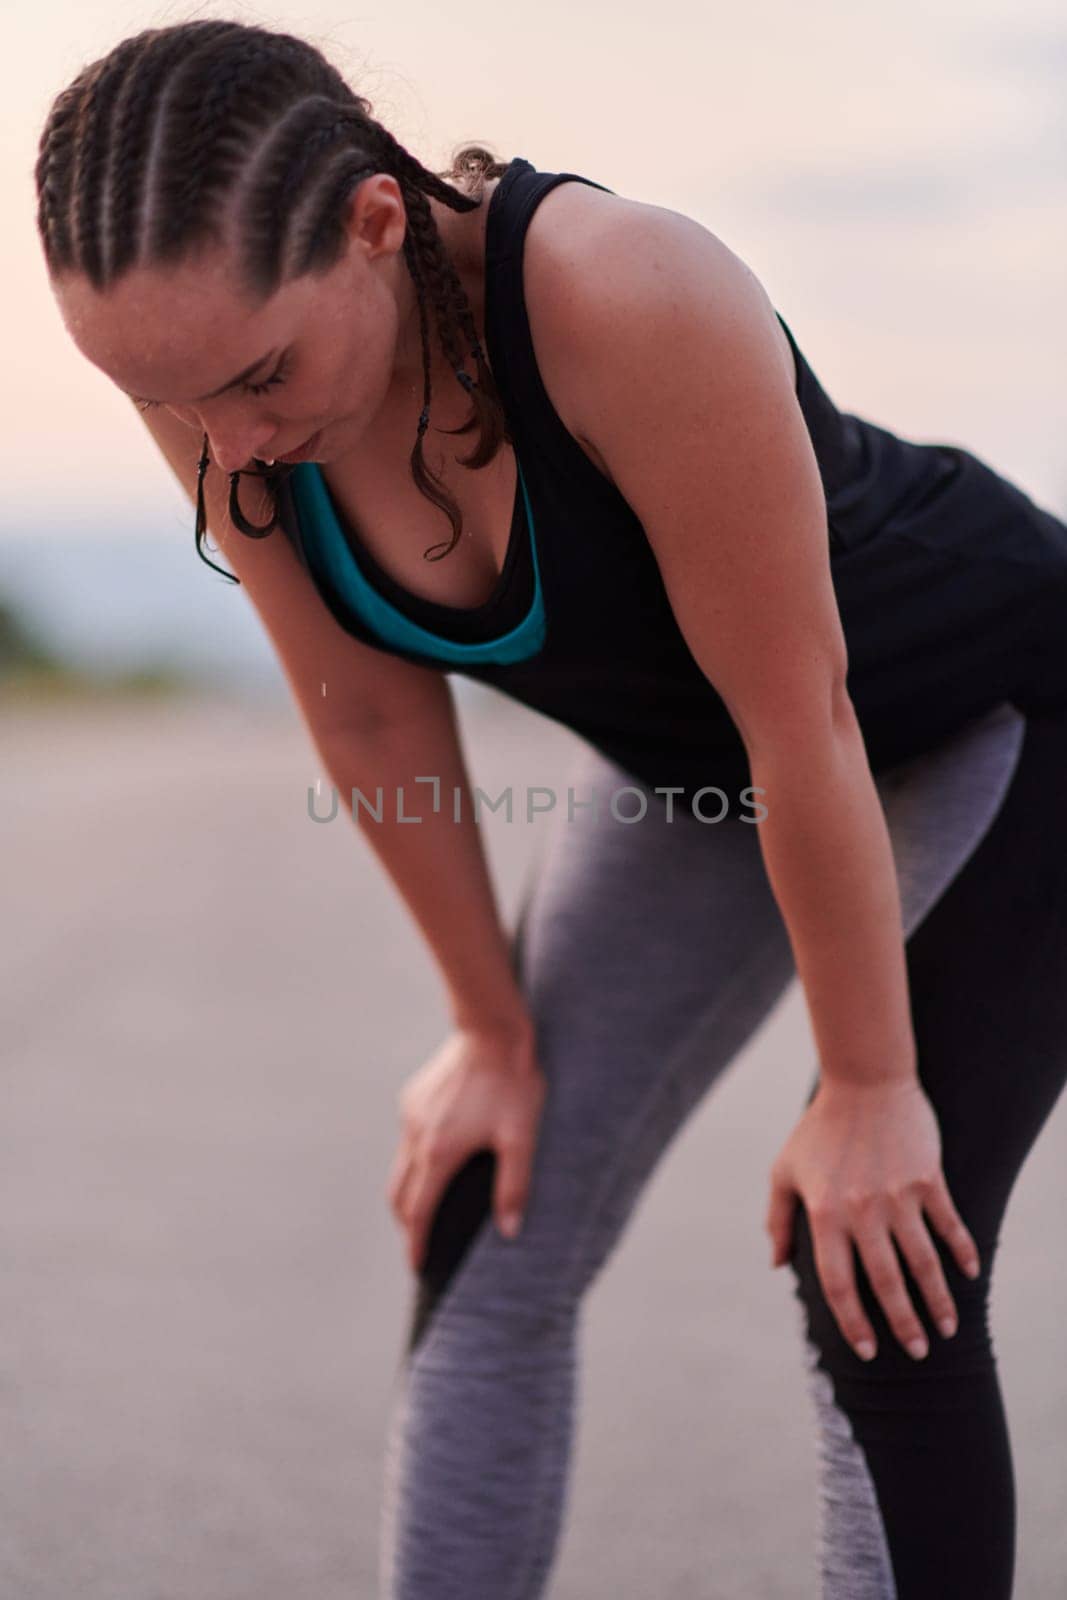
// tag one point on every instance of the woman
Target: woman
(754, 608)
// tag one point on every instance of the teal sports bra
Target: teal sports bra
(332, 559)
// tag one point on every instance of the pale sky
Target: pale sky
(896, 176)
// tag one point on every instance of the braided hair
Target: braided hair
(185, 136)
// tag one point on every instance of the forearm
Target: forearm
(830, 864)
(438, 865)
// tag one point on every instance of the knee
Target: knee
(463, 1209)
(967, 1353)
(522, 1288)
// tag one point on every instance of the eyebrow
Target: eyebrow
(232, 384)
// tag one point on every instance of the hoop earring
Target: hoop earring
(254, 530)
(201, 514)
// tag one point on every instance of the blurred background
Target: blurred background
(209, 1004)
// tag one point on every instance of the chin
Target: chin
(338, 436)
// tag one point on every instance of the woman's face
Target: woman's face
(323, 353)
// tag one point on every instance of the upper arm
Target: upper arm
(676, 375)
(365, 688)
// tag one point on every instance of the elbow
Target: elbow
(842, 711)
(800, 720)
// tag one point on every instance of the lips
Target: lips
(305, 451)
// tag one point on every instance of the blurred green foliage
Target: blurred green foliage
(30, 669)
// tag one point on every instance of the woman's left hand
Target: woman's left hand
(866, 1161)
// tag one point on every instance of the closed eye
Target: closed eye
(277, 376)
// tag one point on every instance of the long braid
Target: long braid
(424, 478)
(452, 310)
(211, 132)
(452, 314)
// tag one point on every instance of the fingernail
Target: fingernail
(917, 1348)
(510, 1224)
(973, 1268)
(865, 1350)
(947, 1326)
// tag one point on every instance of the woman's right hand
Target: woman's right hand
(481, 1089)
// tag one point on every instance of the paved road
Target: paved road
(209, 1005)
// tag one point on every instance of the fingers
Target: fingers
(832, 1248)
(778, 1222)
(398, 1176)
(399, 1190)
(950, 1225)
(925, 1264)
(422, 1195)
(406, 1193)
(420, 1175)
(876, 1227)
(887, 1281)
(473, 1097)
(513, 1160)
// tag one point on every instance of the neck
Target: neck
(462, 235)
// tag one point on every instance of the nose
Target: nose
(233, 452)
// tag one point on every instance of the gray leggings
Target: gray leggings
(650, 952)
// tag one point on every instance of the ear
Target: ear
(376, 217)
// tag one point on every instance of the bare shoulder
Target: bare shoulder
(585, 246)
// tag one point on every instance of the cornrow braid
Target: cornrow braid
(129, 137)
(216, 133)
(90, 156)
(53, 161)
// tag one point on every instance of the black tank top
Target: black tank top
(951, 583)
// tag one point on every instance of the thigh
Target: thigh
(987, 970)
(652, 951)
(978, 836)
(986, 962)
(648, 952)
